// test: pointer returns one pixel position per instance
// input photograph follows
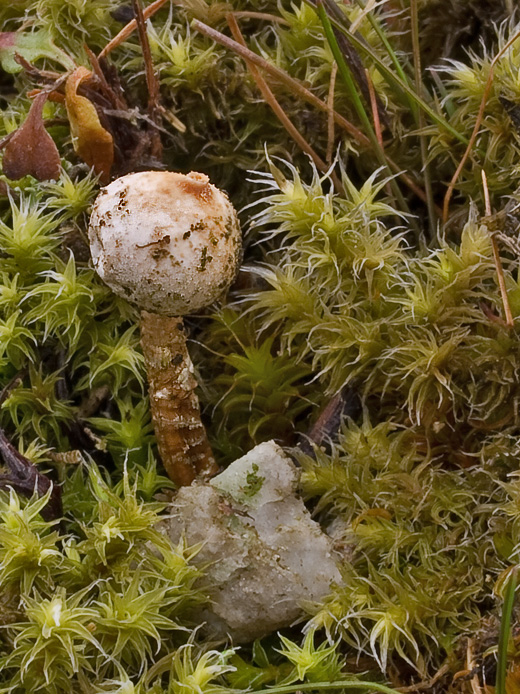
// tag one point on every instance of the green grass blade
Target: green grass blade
(505, 630)
(393, 57)
(327, 686)
(393, 79)
(346, 75)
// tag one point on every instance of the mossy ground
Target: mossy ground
(356, 286)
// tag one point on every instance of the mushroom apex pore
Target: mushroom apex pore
(166, 241)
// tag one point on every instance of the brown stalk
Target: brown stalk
(129, 28)
(496, 255)
(480, 116)
(278, 110)
(181, 437)
(297, 88)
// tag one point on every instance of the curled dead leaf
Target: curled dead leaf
(91, 140)
(31, 151)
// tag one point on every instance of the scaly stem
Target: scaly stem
(181, 436)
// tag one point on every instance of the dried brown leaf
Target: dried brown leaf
(31, 150)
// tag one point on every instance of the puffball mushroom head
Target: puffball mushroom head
(166, 241)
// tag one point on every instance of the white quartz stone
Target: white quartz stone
(264, 554)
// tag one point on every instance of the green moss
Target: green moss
(419, 491)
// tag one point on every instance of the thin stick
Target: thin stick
(129, 28)
(375, 117)
(295, 86)
(496, 256)
(298, 89)
(330, 104)
(480, 116)
(278, 110)
(152, 82)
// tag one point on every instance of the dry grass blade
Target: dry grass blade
(297, 88)
(294, 85)
(496, 255)
(278, 110)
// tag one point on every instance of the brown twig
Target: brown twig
(129, 28)
(152, 82)
(181, 436)
(34, 72)
(23, 476)
(330, 104)
(480, 116)
(298, 88)
(375, 118)
(278, 110)
(496, 255)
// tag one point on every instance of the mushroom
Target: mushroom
(169, 243)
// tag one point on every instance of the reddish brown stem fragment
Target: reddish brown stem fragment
(129, 29)
(181, 436)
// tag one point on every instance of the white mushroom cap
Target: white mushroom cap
(168, 242)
